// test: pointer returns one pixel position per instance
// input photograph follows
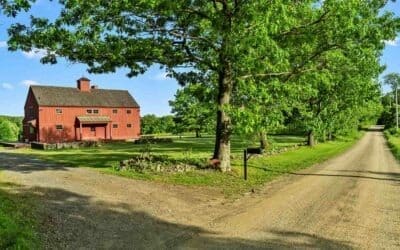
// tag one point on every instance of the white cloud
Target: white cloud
(35, 53)
(7, 86)
(393, 43)
(31, 82)
(3, 44)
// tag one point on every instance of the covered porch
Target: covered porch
(93, 128)
(30, 130)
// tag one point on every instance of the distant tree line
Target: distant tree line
(10, 128)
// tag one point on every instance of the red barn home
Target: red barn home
(60, 114)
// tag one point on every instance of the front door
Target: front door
(92, 132)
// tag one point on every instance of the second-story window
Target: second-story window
(115, 125)
(115, 111)
(58, 111)
(92, 111)
(128, 111)
(129, 125)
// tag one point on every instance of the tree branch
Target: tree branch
(295, 30)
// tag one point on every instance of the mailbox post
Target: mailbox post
(247, 153)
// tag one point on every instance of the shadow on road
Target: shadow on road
(376, 128)
(25, 164)
(70, 220)
(386, 176)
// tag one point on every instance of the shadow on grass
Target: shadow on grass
(71, 220)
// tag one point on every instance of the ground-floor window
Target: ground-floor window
(93, 129)
(59, 127)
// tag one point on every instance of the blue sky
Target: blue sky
(152, 90)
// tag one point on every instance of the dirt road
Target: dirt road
(352, 201)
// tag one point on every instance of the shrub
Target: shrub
(152, 140)
(161, 163)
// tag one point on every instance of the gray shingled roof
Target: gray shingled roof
(62, 96)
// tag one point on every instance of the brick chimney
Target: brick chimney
(84, 84)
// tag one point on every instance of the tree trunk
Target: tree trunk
(263, 140)
(310, 139)
(222, 149)
(323, 137)
(198, 133)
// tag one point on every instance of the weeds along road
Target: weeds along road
(352, 201)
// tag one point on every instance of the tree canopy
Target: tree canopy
(10, 128)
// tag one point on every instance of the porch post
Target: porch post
(80, 130)
(105, 131)
(110, 130)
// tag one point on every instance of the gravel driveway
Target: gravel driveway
(352, 201)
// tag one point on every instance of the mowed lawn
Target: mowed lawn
(18, 222)
(261, 168)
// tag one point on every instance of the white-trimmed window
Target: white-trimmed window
(58, 111)
(129, 125)
(92, 111)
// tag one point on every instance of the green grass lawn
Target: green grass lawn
(18, 226)
(394, 143)
(261, 169)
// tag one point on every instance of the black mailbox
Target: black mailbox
(247, 154)
(257, 151)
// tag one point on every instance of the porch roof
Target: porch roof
(32, 123)
(90, 119)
